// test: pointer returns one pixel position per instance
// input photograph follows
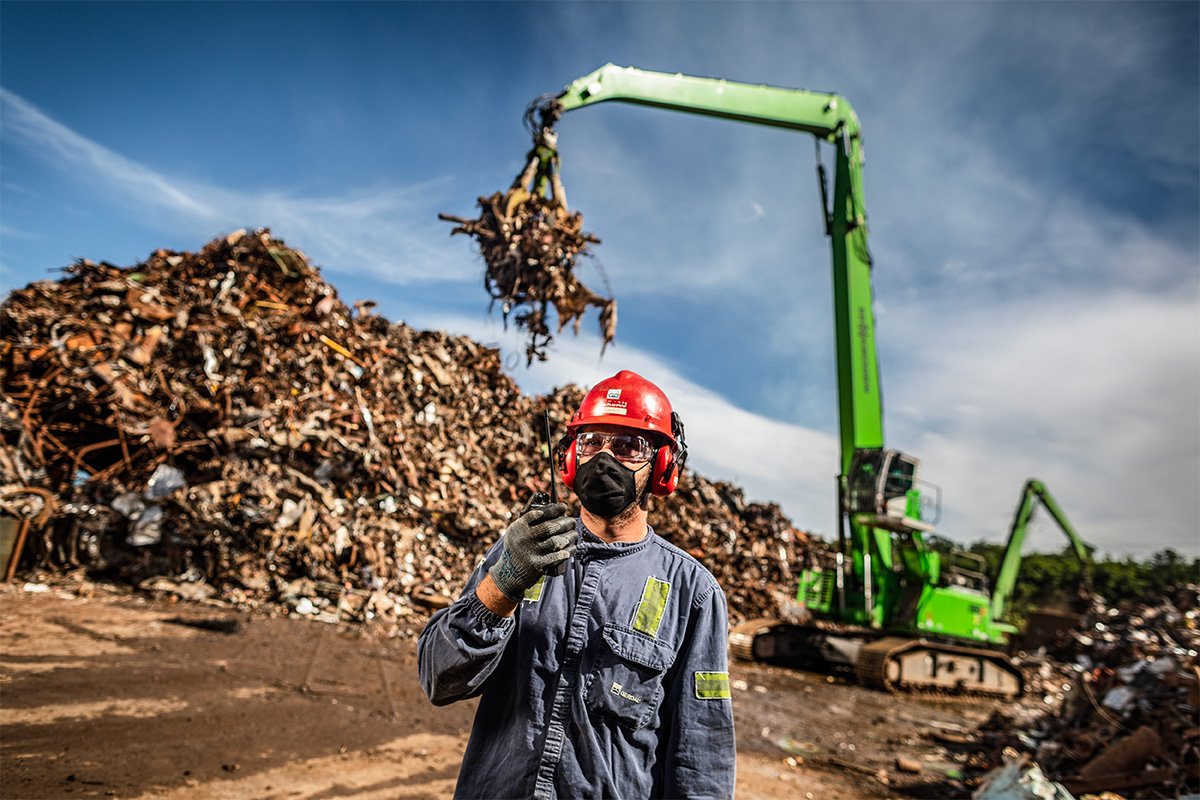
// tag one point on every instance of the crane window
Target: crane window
(864, 480)
(901, 474)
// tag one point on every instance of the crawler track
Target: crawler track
(915, 665)
(890, 663)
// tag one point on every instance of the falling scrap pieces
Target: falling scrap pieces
(530, 245)
(221, 425)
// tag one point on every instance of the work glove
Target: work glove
(542, 538)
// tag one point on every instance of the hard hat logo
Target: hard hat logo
(616, 407)
(614, 394)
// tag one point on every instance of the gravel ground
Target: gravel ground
(108, 694)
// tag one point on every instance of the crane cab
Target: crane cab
(881, 491)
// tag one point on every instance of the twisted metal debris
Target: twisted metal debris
(531, 244)
(1115, 702)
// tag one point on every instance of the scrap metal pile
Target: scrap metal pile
(531, 244)
(220, 425)
(1121, 703)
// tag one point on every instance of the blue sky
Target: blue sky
(1032, 183)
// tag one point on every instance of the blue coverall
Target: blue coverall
(608, 681)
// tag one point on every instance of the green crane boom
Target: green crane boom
(1033, 493)
(828, 117)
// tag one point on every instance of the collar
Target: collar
(592, 546)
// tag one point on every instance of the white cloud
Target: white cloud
(56, 142)
(1000, 233)
(367, 230)
(1098, 398)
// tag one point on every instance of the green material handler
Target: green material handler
(890, 607)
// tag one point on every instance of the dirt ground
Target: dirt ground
(108, 694)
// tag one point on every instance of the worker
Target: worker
(609, 680)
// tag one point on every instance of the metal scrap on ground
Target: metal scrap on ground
(531, 243)
(1114, 704)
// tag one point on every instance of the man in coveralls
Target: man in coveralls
(609, 679)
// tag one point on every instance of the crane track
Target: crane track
(918, 666)
(899, 664)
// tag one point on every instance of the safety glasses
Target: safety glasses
(625, 446)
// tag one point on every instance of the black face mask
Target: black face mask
(605, 486)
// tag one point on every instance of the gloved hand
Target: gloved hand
(539, 540)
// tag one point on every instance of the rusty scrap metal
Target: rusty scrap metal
(33, 506)
(283, 450)
(531, 243)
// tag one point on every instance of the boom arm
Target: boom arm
(871, 480)
(1006, 578)
(831, 118)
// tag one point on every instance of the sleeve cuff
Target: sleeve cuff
(479, 611)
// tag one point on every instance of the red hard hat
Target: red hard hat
(626, 399)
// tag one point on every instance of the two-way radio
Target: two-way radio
(542, 498)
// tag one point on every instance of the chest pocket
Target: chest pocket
(626, 685)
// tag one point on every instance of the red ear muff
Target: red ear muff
(665, 475)
(567, 465)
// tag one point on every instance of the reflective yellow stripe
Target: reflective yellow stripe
(649, 613)
(712, 685)
(534, 593)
